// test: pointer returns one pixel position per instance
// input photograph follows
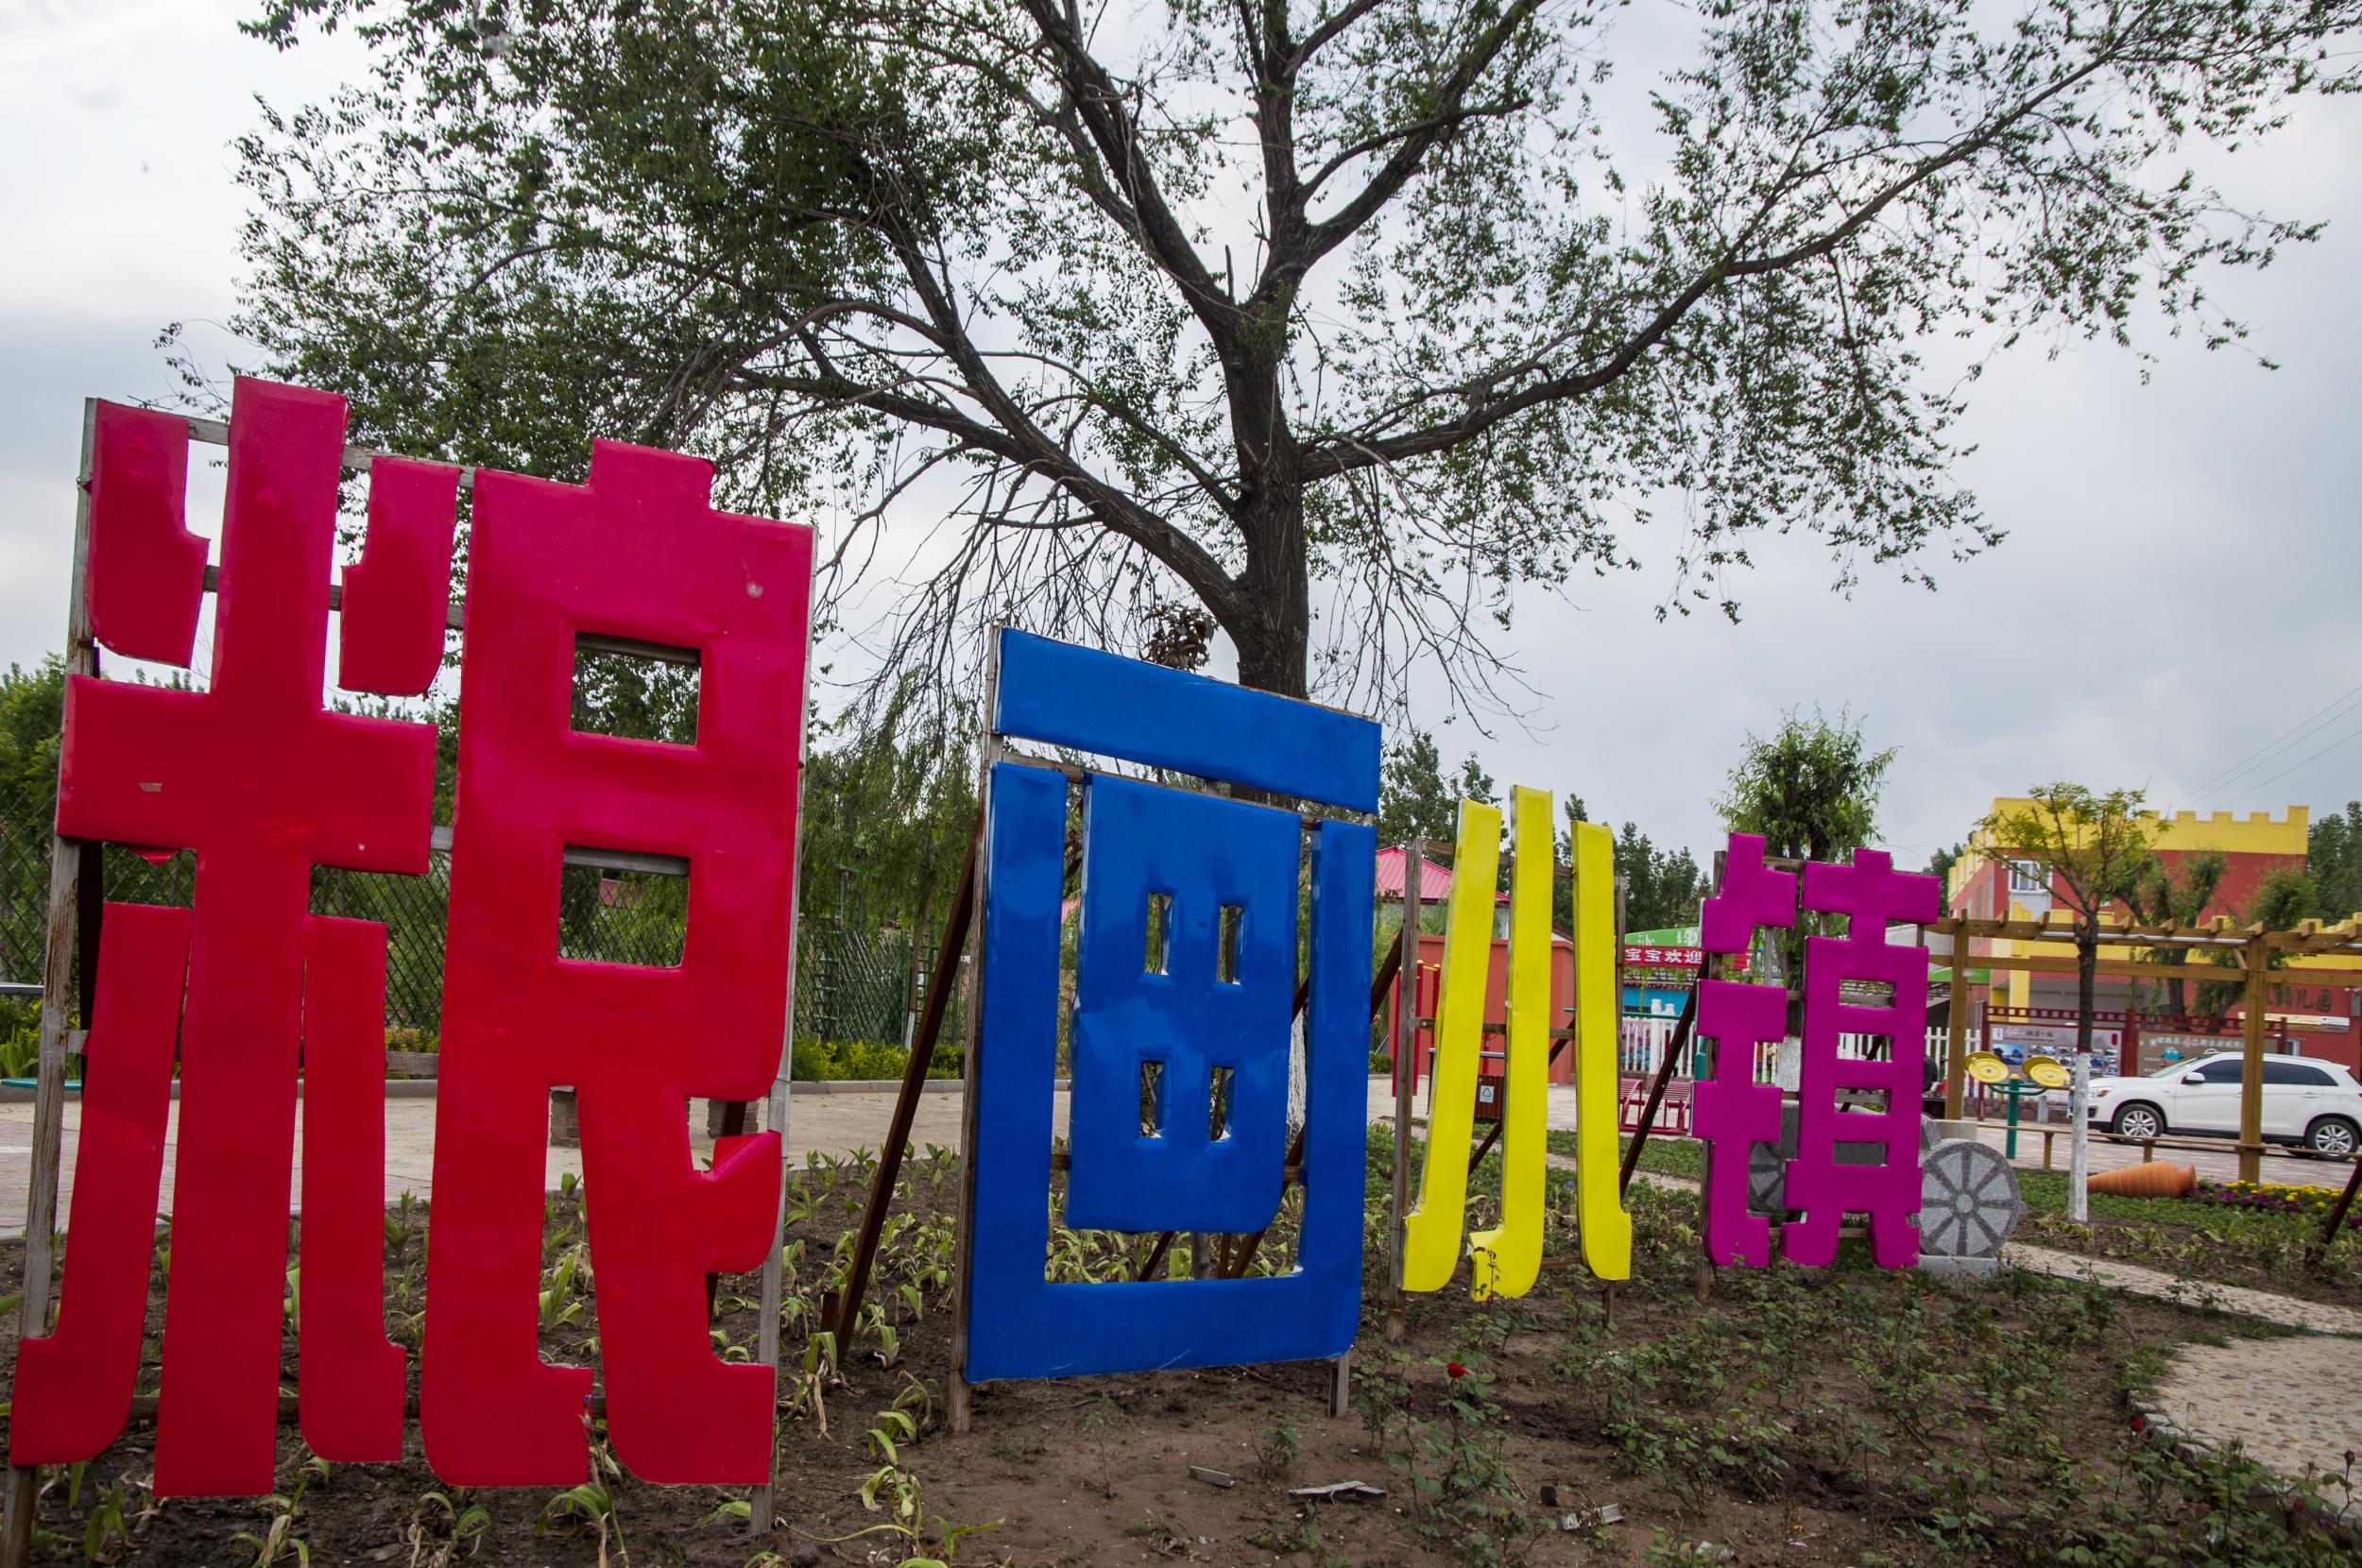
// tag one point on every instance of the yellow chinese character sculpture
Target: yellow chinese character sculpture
(1430, 1233)
(1506, 1260)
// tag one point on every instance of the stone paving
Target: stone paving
(2294, 1406)
(2285, 1311)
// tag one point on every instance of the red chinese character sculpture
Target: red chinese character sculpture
(257, 777)
(637, 554)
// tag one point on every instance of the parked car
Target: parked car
(2317, 1104)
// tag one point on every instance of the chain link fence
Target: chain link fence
(851, 986)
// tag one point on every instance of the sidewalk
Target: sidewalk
(828, 1123)
(839, 1123)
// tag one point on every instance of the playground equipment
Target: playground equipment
(2039, 1076)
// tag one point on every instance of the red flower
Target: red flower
(1456, 1369)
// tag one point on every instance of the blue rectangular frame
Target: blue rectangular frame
(1064, 695)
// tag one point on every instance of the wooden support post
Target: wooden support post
(959, 1409)
(1406, 1061)
(2337, 1216)
(57, 1007)
(1674, 1050)
(1956, 1029)
(2252, 1073)
(922, 1049)
(1340, 1381)
(761, 1512)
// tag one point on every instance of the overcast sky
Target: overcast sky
(2190, 543)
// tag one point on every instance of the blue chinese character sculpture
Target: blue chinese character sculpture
(1184, 1001)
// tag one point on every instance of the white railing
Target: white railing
(1642, 1044)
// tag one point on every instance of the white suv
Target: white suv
(2317, 1104)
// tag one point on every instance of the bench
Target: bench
(2148, 1146)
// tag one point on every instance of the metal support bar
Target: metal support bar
(2337, 1216)
(762, 1514)
(1674, 1050)
(939, 987)
(1407, 997)
(65, 868)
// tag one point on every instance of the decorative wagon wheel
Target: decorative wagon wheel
(1968, 1199)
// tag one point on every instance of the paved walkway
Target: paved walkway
(828, 1123)
(2294, 1406)
(838, 1123)
(2286, 1311)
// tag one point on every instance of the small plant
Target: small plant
(107, 1522)
(895, 1492)
(561, 1308)
(1275, 1455)
(442, 1522)
(1095, 1427)
(278, 1539)
(592, 1502)
(735, 1511)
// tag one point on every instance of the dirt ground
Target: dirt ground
(1747, 1427)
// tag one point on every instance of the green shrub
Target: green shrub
(865, 1061)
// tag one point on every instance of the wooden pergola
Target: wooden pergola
(2257, 958)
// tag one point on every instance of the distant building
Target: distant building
(2020, 1012)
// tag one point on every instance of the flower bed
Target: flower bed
(2312, 1202)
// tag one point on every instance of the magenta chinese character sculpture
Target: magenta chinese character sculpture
(1871, 893)
(1731, 1111)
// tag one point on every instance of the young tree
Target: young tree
(1661, 886)
(1214, 303)
(1415, 800)
(1811, 790)
(2333, 859)
(2095, 850)
(2160, 895)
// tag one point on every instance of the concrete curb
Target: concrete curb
(423, 1088)
(395, 1088)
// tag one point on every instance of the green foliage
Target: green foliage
(1415, 798)
(889, 807)
(2162, 893)
(1662, 886)
(866, 1060)
(2094, 848)
(1811, 788)
(1482, 328)
(2333, 859)
(1434, 1419)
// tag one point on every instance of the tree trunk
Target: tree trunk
(1274, 632)
(2079, 1098)
(1272, 616)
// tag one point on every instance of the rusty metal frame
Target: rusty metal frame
(65, 875)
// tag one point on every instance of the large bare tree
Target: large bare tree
(1334, 321)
